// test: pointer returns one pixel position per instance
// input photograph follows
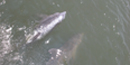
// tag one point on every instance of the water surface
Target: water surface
(105, 24)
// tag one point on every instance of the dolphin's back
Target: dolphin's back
(45, 26)
(47, 20)
(66, 52)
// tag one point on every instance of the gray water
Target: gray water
(105, 24)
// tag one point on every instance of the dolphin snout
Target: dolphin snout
(63, 13)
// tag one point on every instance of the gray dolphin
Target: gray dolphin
(63, 55)
(45, 26)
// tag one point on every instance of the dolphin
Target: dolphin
(65, 53)
(45, 26)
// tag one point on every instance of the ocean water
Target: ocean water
(105, 24)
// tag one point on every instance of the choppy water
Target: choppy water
(105, 24)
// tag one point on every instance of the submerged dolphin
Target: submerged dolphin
(63, 55)
(45, 26)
